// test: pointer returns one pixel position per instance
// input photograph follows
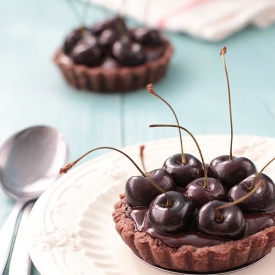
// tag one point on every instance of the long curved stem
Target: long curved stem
(144, 174)
(70, 165)
(184, 129)
(150, 89)
(219, 216)
(74, 11)
(222, 53)
(85, 12)
(255, 179)
(141, 155)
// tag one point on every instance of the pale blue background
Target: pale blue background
(33, 92)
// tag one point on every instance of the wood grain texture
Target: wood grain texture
(32, 90)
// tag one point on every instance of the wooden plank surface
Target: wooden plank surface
(33, 92)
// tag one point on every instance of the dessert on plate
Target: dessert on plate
(190, 216)
(109, 57)
(199, 225)
(217, 220)
(178, 219)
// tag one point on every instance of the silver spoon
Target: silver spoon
(29, 164)
(20, 262)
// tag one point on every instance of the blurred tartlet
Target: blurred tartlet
(109, 57)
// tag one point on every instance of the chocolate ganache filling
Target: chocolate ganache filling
(254, 223)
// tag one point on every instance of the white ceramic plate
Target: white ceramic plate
(71, 230)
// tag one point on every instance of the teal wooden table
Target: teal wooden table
(33, 92)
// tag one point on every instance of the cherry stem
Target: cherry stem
(168, 199)
(78, 17)
(74, 10)
(219, 216)
(121, 12)
(141, 155)
(202, 159)
(253, 182)
(122, 28)
(85, 13)
(70, 165)
(150, 89)
(222, 53)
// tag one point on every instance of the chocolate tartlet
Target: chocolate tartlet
(218, 255)
(109, 57)
(220, 221)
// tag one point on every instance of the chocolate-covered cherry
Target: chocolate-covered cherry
(230, 223)
(263, 200)
(147, 36)
(139, 190)
(230, 171)
(174, 219)
(128, 53)
(201, 194)
(183, 173)
(87, 51)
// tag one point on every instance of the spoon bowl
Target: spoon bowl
(29, 164)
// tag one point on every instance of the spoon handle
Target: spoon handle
(7, 234)
(20, 262)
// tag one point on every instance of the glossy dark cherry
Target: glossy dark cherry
(73, 37)
(108, 37)
(115, 22)
(232, 226)
(128, 53)
(171, 220)
(87, 51)
(200, 195)
(263, 200)
(183, 174)
(114, 41)
(147, 36)
(230, 172)
(140, 192)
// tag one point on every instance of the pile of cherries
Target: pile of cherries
(193, 205)
(226, 199)
(112, 41)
